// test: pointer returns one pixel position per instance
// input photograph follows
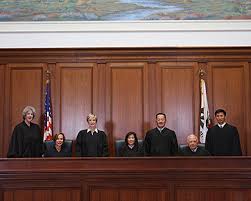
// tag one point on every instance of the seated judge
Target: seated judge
(26, 139)
(192, 148)
(91, 142)
(160, 141)
(131, 146)
(223, 138)
(58, 147)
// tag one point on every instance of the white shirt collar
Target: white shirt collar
(88, 130)
(194, 150)
(222, 125)
(130, 146)
(160, 129)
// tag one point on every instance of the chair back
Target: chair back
(182, 146)
(67, 143)
(120, 143)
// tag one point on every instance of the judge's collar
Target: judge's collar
(88, 130)
(160, 129)
(222, 125)
(194, 150)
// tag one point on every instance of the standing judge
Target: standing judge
(160, 141)
(91, 141)
(223, 138)
(26, 140)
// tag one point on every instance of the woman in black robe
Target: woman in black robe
(26, 140)
(131, 146)
(57, 147)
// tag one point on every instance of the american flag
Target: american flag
(47, 113)
(205, 121)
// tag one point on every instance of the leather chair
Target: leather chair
(182, 146)
(50, 143)
(120, 143)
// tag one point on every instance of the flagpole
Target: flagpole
(202, 72)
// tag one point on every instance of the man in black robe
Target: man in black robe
(223, 138)
(160, 141)
(192, 148)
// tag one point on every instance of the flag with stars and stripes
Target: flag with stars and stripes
(47, 113)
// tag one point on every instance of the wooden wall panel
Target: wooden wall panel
(212, 194)
(177, 97)
(117, 179)
(229, 92)
(146, 81)
(76, 97)
(24, 86)
(128, 194)
(66, 194)
(2, 90)
(128, 98)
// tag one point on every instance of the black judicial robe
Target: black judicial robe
(223, 141)
(91, 145)
(126, 151)
(186, 151)
(162, 143)
(26, 141)
(51, 151)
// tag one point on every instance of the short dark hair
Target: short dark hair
(220, 111)
(55, 137)
(160, 113)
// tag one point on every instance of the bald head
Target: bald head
(192, 141)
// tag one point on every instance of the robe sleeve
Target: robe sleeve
(105, 146)
(174, 148)
(147, 145)
(79, 144)
(16, 144)
(236, 144)
(208, 145)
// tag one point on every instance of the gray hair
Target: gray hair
(192, 135)
(91, 116)
(27, 109)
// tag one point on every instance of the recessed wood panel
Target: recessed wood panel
(42, 195)
(129, 194)
(127, 98)
(2, 89)
(65, 195)
(212, 194)
(177, 97)
(26, 89)
(229, 92)
(24, 86)
(76, 97)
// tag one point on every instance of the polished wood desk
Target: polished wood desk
(126, 179)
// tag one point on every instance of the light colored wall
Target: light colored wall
(125, 34)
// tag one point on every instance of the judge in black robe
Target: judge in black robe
(192, 148)
(91, 142)
(131, 147)
(160, 141)
(58, 147)
(223, 138)
(26, 140)
(199, 151)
